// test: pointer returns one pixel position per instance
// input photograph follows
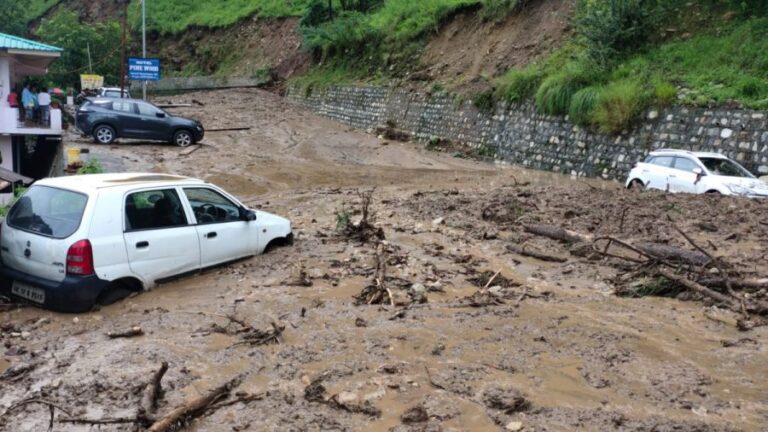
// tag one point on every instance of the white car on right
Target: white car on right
(695, 172)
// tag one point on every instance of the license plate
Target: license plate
(28, 292)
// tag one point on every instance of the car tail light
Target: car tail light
(80, 259)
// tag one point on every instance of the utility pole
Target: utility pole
(124, 42)
(144, 43)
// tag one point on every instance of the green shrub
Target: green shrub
(93, 166)
(664, 93)
(583, 104)
(519, 84)
(619, 104)
(17, 192)
(611, 28)
(485, 101)
(555, 93)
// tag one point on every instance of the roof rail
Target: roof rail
(673, 150)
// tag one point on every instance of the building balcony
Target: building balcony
(12, 123)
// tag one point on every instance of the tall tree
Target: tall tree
(13, 17)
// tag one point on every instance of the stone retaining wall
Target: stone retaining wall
(516, 133)
(179, 84)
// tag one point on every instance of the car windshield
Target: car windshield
(48, 211)
(725, 167)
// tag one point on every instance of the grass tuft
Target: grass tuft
(618, 106)
(583, 104)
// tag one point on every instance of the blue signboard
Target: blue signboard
(143, 69)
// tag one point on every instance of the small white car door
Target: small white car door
(659, 171)
(682, 178)
(159, 238)
(223, 233)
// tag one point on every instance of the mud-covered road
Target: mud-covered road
(556, 350)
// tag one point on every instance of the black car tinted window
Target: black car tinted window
(665, 161)
(48, 211)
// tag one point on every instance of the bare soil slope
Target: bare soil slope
(467, 47)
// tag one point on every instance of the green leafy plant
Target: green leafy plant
(485, 101)
(611, 28)
(664, 93)
(343, 220)
(93, 166)
(18, 191)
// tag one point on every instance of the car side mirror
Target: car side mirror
(247, 215)
(698, 171)
(160, 115)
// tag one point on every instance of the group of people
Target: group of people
(35, 103)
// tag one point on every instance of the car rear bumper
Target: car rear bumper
(73, 294)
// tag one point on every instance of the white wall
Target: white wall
(6, 151)
(5, 80)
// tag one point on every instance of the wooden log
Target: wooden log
(193, 408)
(557, 233)
(534, 253)
(673, 254)
(740, 284)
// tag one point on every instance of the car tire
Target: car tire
(636, 186)
(104, 134)
(183, 138)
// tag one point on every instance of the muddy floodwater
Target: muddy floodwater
(556, 350)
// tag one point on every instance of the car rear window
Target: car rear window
(48, 211)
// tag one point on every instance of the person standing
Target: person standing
(35, 105)
(27, 102)
(44, 102)
(13, 99)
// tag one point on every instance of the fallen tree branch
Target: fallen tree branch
(152, 391)
(693, 286)
(534, 253)
(557, 233)
(193, 408)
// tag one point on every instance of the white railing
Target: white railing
(11, 123)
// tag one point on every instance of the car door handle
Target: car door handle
(211, 235)
(672, 176)
(142, 244)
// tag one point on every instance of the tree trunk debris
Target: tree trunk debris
(131, 332)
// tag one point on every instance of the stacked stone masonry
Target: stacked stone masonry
(517, 134)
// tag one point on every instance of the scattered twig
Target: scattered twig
(152, 391)
(131, 332)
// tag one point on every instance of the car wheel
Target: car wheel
(636, 186)
(104, 134)
(183, 138)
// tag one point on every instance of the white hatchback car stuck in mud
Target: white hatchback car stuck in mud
(71, 242)
(695, 172)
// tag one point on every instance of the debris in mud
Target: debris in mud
(532, 252)
(378, 292)
(129, 333)
(482, 298)
(506, 399)
(300, 277)
(347, 401)
(390, 131)
(365, 230)
(249, 334)
(416, 414)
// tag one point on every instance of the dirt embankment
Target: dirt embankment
(504, 341)
(468, 49)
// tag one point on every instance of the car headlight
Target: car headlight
(739, 190)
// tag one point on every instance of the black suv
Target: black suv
(108, 118)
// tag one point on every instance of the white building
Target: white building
(26, 148)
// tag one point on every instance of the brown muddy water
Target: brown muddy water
(570, 357)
